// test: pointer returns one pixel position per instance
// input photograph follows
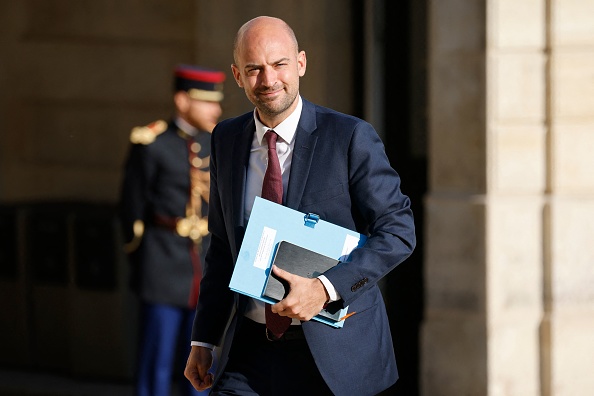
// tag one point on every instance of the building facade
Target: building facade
(487, 111)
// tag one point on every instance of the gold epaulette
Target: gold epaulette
(147, 134)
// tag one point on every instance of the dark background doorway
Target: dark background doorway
(405, 136)
(402, 41)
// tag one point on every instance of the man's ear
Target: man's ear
(301, 63)
(236, 75)
(181, 101)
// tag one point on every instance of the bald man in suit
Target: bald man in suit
(333, 165)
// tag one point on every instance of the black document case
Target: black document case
(303, 262)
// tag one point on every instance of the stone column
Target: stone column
(487, 190)
(516, 131)
(510, 208)
(568, 328)
(454, 334)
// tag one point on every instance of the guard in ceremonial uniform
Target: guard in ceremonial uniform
(164, 206)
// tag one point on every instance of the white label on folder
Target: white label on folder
(350, 243)
(265, 247)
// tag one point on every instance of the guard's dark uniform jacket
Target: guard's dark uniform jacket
(165, 230)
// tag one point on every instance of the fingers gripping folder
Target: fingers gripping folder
(304, 242)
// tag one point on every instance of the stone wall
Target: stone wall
(509, 296)
(75, 77)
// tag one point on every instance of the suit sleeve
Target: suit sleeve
(385, 212)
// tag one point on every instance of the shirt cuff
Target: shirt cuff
(332, 292)
(202, 344)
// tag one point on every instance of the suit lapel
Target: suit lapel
(305, 143)
(241, 152)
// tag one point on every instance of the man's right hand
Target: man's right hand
(197, 366)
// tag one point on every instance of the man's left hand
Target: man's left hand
(306, 297)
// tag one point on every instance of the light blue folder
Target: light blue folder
(271, 223)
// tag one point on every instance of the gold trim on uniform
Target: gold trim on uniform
(138, 229)
(197, 162)
(147, 134)
(193, 227)
(184, 134)
(201, 94)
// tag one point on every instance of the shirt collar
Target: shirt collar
(286, 129)
(185, 126)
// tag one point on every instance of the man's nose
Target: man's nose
(268, 76)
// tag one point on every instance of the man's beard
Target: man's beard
(275, 108)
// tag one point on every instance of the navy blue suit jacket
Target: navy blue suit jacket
(341, 172)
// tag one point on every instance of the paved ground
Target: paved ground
(21, 383)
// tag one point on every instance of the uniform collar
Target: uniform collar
(185, 127)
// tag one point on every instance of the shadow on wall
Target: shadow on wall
(64, 291)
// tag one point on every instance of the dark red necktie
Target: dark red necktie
(272, 190)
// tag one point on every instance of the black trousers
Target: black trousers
(261, 367)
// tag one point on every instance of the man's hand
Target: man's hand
(197, 366)
(305, 299)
